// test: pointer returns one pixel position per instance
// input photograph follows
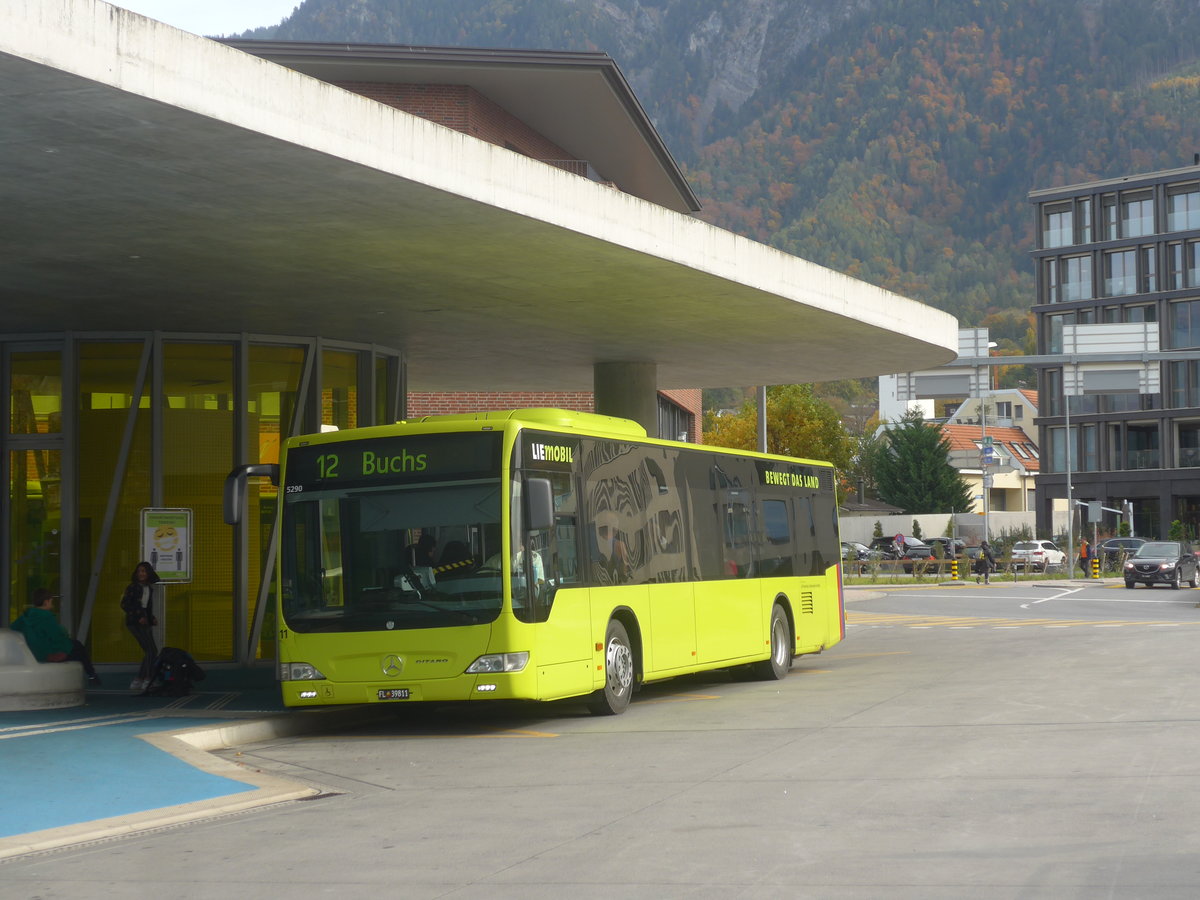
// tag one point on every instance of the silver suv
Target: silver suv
(1037, 556)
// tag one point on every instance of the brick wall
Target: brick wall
(691, 399)
(436, 404)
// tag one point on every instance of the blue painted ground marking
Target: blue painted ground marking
(73, 776)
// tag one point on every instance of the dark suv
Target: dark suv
(1114, 548)
(1162, 562)
(914, 549)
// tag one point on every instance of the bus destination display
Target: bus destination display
(355, 463)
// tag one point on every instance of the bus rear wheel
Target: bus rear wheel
(782, 643)
(613, 698)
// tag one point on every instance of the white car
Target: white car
(1037, 556)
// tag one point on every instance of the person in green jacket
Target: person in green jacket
(48, 641)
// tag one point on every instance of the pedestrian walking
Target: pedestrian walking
(985, 563)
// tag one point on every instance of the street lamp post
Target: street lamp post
(985, 457)
(985, 450)
(1070, 498)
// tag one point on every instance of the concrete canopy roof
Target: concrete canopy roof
(156, 180)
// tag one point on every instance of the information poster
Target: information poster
(167, 542)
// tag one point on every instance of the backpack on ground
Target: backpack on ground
(174, 673)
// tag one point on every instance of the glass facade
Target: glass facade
(1124, 445)
(1185, 325)
(198, 452)
(34, 435)
(100, 429)
(1183, 207)
(1137, 214)
(1120, 273)
(272, 407)
(113, 433)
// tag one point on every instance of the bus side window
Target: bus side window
(553, 557)
(808, 559)
(566, 544)
(739, 533)
(775, 552)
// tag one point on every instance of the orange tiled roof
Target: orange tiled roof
(1031, 396)
(964, 437)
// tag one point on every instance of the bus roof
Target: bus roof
(548, 417)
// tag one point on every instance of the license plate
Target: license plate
(394, 694)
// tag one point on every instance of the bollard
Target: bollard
(954, 570)
(1095, 563)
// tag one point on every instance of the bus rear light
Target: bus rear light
(499, 662)
(299, 671)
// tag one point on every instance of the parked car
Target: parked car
(951, 547)
(1037, 556)
(1162, 562)
(1112, 549)
(852, 550)
(856, 555)
(913, 548)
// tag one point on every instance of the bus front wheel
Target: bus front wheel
(782, 643)
(613, 698)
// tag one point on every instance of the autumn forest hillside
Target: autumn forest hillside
(895, 140)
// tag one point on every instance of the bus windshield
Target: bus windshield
(396, 556)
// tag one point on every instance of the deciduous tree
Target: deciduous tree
(798, 424)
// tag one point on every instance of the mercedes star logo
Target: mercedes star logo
(392, 665)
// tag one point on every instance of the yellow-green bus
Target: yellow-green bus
(541, 554)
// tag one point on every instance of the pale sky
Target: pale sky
(213, 17)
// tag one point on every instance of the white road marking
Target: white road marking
(1065, 592)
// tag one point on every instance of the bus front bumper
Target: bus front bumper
(465, 687)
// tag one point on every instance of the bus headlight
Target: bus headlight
(499, 662)
(299, 671)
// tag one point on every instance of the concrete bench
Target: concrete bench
(26, 683)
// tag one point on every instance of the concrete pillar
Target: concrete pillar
(628, 390)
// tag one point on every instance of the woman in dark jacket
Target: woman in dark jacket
(139, 619)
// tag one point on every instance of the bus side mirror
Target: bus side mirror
(235, 487)
(539, 500)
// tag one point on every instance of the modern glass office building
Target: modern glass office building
(1123, 251)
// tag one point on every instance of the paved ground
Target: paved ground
(124, 762)
(926, 757)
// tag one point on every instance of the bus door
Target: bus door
(730, 621)
(546, 593)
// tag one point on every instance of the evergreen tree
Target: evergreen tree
(915, 472)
